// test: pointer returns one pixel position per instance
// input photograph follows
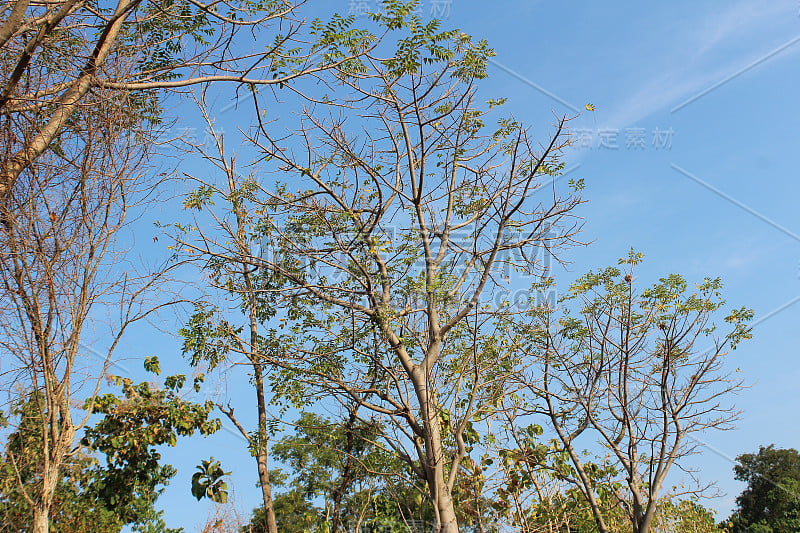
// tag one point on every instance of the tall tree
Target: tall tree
(391, 242)
(232, 335)
(771, 500)
(333, 461)
(640, 371)
(59, 269)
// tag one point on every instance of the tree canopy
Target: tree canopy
(376, 281)
(771, 501)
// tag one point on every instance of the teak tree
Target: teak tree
(405, 216)
(641, 371)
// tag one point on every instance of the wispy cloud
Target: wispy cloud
(740, 19)
(705, 53)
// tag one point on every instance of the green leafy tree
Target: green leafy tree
(339, 465)
(771, 501)
(115, 478)
(336, 478)
(229, 335)
(332, 461)
(294, 513)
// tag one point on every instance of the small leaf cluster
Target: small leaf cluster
(207, 482)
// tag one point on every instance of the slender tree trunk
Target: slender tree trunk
(50, 475)
(644, 523)
(258, 375)
(261, 455)
(444, 501)
(58, 435)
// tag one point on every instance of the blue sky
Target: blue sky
(719, 200)
(691, 157)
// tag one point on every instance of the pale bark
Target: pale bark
(13, 22)
(67, 103)
(64, 435)
(434, 462)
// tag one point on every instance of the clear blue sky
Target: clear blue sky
(691, 157)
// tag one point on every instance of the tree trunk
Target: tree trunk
(41, 512)
(58, 435)
(261, 455)
(434, 454)
(41, 519)
(266, 491)
(258, 374)
(447, 512)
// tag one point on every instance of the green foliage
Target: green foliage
(339, 459)
(683, 516)
(91, 496)
(199, 198)
(426, 44)
(133, 426)
(320, 448)
(165, 27)
(206, 341)
(771, 501)
(208, 483)
(76, 507)
(537, 462)
(328, 457)
(293, 514)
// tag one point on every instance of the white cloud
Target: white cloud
(701, 60)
